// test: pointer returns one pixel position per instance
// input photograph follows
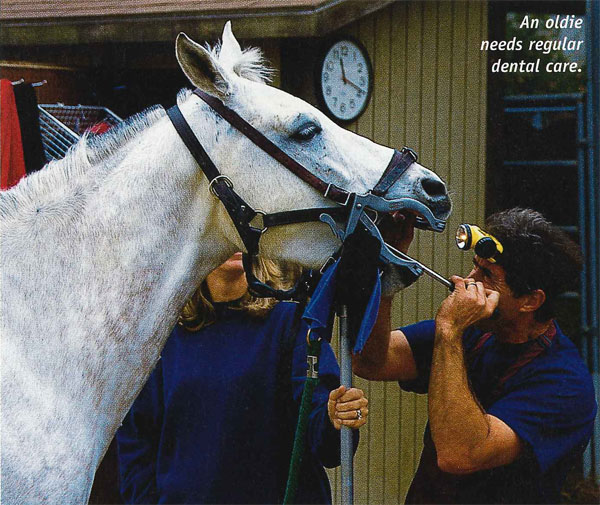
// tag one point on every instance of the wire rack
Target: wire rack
(62, 125)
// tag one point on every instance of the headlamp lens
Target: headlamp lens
(463, 237)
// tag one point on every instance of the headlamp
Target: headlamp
(486, 246)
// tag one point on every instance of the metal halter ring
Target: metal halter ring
(359, 415)
(224, 178)
(258, 220)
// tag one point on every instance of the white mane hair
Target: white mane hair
(40, 188)
(250, 64)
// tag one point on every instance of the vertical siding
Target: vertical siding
(430, 94)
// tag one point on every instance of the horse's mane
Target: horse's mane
(87, 152)
(93, 149)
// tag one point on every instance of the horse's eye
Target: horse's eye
(306, 132)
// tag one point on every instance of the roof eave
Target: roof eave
(247, 24)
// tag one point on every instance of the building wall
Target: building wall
(429, 94)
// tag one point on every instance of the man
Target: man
(511, 403)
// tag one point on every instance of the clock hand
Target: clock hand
(348, 81)
(343, 72)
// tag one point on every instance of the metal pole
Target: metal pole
(583, 226)
(347, 456)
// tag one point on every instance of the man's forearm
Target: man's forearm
(387, 354)
(458, 423)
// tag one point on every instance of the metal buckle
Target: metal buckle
(330, 261)
(311, 370)
(224, 178)
(326, 194)
(412, 153)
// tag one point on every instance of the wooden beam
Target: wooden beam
(247, 24)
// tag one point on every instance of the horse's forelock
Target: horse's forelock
(251, 64)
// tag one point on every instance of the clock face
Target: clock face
(345, 80)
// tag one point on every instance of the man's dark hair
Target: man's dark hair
(537, 255)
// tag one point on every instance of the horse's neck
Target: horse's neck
(109, 283)
(144, 247)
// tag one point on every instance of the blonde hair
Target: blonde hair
(199, 311)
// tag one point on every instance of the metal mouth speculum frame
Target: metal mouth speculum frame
(388, 255)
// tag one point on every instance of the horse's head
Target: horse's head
(327, 150)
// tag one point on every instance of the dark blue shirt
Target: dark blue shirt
(215, 422)
(549, 403)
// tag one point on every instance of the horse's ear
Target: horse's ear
(200, 67)
(230, 52)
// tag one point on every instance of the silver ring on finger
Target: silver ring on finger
(471, 284)
(359, 415)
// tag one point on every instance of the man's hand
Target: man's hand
(347, 407)
(468, 303)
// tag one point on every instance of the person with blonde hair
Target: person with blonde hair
(215, 423)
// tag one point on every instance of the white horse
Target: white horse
(100, 251)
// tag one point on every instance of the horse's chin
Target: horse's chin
(442, 209)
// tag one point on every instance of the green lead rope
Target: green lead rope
(312, 379)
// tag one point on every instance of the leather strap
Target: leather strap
(304, 215)
(399, 164)
(331, 191)
(240, 212)
(192, 143)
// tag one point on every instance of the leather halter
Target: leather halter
(351, 210)
(331, 191)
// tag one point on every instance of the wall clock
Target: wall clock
(344, 79)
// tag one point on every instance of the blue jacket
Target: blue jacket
(216, 420)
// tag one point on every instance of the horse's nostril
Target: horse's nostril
(433, 187)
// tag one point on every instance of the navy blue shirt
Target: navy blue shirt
(549, 403)
(215, 422)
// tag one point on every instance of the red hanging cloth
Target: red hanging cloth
(12, 168)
